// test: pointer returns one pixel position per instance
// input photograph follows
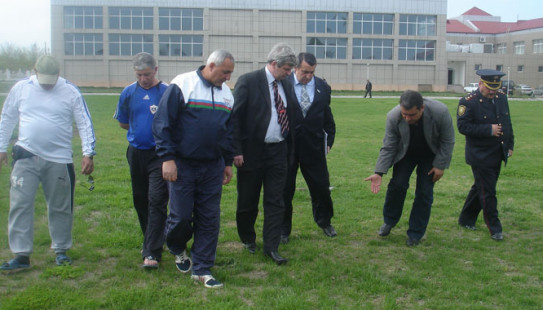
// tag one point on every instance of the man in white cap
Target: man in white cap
(45, 106)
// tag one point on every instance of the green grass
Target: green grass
(452, 269)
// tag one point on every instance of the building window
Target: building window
(326, 22)
(520, 68)
(499, 67)
(130, 44)
(372, 49)
(540, 69)
(373, 23)
(83, 17)
(501, 48)
(83, 44)
(478, 67)
(327, 48)
(418, 25)
(181, 45)
(416, 50)
(131, 18)
(519, 47)
(180, 19)
(538, 47)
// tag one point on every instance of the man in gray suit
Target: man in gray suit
(419, 133)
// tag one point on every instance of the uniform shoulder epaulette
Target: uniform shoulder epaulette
(470, 96)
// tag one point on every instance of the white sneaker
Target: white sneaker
(208, 281)
(183, 262)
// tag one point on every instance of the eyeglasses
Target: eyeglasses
(90, 183)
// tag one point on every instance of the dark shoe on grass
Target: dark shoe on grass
(18, 263)
(208, 280)
(183, 262)
(385, 230)
(412, 241)
(497, 236)
(467, 226)
(62, 259)
(250, 246)
(329, 231)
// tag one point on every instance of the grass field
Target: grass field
(452, 269)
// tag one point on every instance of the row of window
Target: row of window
(192, 46)
(520, 47)
(192, 19)
(378, 24)
(131, 44)
(133, 18)
(520, 68)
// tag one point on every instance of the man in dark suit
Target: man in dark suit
(368, 88)
(263, 116)
(314, 135)
(483, 117)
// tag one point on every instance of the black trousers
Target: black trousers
(318, 182)
(271, 173)
(150, 197)
(424, 195)
(482, 196)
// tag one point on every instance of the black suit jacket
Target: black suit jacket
(252, 114)
(310, 131)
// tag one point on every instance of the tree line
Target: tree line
(14, 58)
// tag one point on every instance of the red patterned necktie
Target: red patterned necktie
(282, 118)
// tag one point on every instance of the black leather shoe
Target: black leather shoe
(250, 246)
(329, 231)
(284, 239)
(497, 236)
(278, 259)
(385, 230)
(412, 241)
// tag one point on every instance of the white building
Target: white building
(478, 40)
(397, 44)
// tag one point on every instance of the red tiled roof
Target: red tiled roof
(527, 24)
(475, 11)
(454, 26)
(490, 27)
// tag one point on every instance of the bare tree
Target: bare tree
(14, 58)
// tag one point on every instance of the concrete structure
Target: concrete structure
(477, 40)
(397, 44)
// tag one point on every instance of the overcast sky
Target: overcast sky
(24, 22)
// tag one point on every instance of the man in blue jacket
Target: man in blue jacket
(135, 112)
(193, 134)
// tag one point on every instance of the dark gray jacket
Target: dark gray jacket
(438, 131)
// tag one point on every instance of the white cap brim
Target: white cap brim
(47, 79)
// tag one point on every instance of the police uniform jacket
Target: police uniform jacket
(475, 117)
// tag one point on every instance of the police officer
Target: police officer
(483, 117)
